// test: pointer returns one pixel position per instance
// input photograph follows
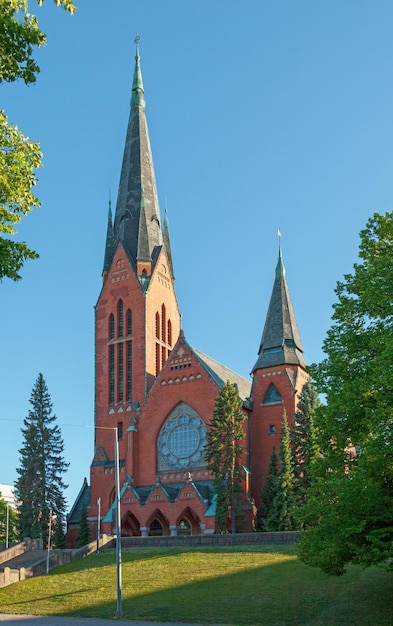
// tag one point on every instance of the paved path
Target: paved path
(34, 620)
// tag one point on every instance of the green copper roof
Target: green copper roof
(281, 343)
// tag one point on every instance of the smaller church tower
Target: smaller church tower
(278, 379)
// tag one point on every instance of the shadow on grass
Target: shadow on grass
(278, 592)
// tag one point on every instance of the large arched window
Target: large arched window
(111, 326)
(169, 338)
(120, 372)
(129, 322)
(111, 373)
(120, 320)
(129, 370)
(163, 323)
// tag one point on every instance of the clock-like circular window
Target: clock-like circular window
(182, 441)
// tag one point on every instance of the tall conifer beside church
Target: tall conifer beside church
(157, 390)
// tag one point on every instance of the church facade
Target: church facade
(158, 392)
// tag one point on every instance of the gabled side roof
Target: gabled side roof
(82, 498)
(222, 374)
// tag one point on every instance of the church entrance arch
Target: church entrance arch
(130, 525)
(188, 523)
(158, 525)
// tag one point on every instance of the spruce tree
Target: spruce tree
(223, 452)
(83, 530)
(302, 441)
(271, 497)
(59, 541)
(286, 521)
(40, 485)
(277, 494)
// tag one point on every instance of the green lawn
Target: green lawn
(234, 585)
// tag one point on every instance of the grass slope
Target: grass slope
(234, 585)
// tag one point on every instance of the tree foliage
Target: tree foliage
(83, 529)
(268, 518)
(12, 522)
(277, 498)
(223, 452)
(348, 514)
(303, 446)
(40, 487)
(19, 34)
(19, 156)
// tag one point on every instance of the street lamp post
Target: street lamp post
(118, 527)
(98, 523)
(7, 524)
(51, 516)
(119, 609)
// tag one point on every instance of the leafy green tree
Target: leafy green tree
(19, 157)
(349, 509)
(12, 522)
(83, 530)
(303, 445)
(19, 34)
(40, 487)
(223, 452)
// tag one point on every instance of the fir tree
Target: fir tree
(83, 530)
(286, 478)
(223, 452)
(40, 485)
(277, 494)
(302, 441)
(59, 541)
(270, 499)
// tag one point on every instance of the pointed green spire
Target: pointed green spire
(281, 343)
(138, 171)
(110, 239)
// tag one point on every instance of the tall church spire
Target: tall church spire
(281, 343)
(137, 199)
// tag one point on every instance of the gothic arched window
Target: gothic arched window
(120, 321)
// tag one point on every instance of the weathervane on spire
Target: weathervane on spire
(136, 41)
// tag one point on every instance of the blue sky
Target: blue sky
(261, 115)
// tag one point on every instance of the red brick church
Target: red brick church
(156, 389)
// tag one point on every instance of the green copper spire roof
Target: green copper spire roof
(110, 240)
(281, 343)
(167, 243)
(137, 171)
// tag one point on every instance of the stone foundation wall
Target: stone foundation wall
(213, 540)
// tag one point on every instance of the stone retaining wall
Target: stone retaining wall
(213, 540)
